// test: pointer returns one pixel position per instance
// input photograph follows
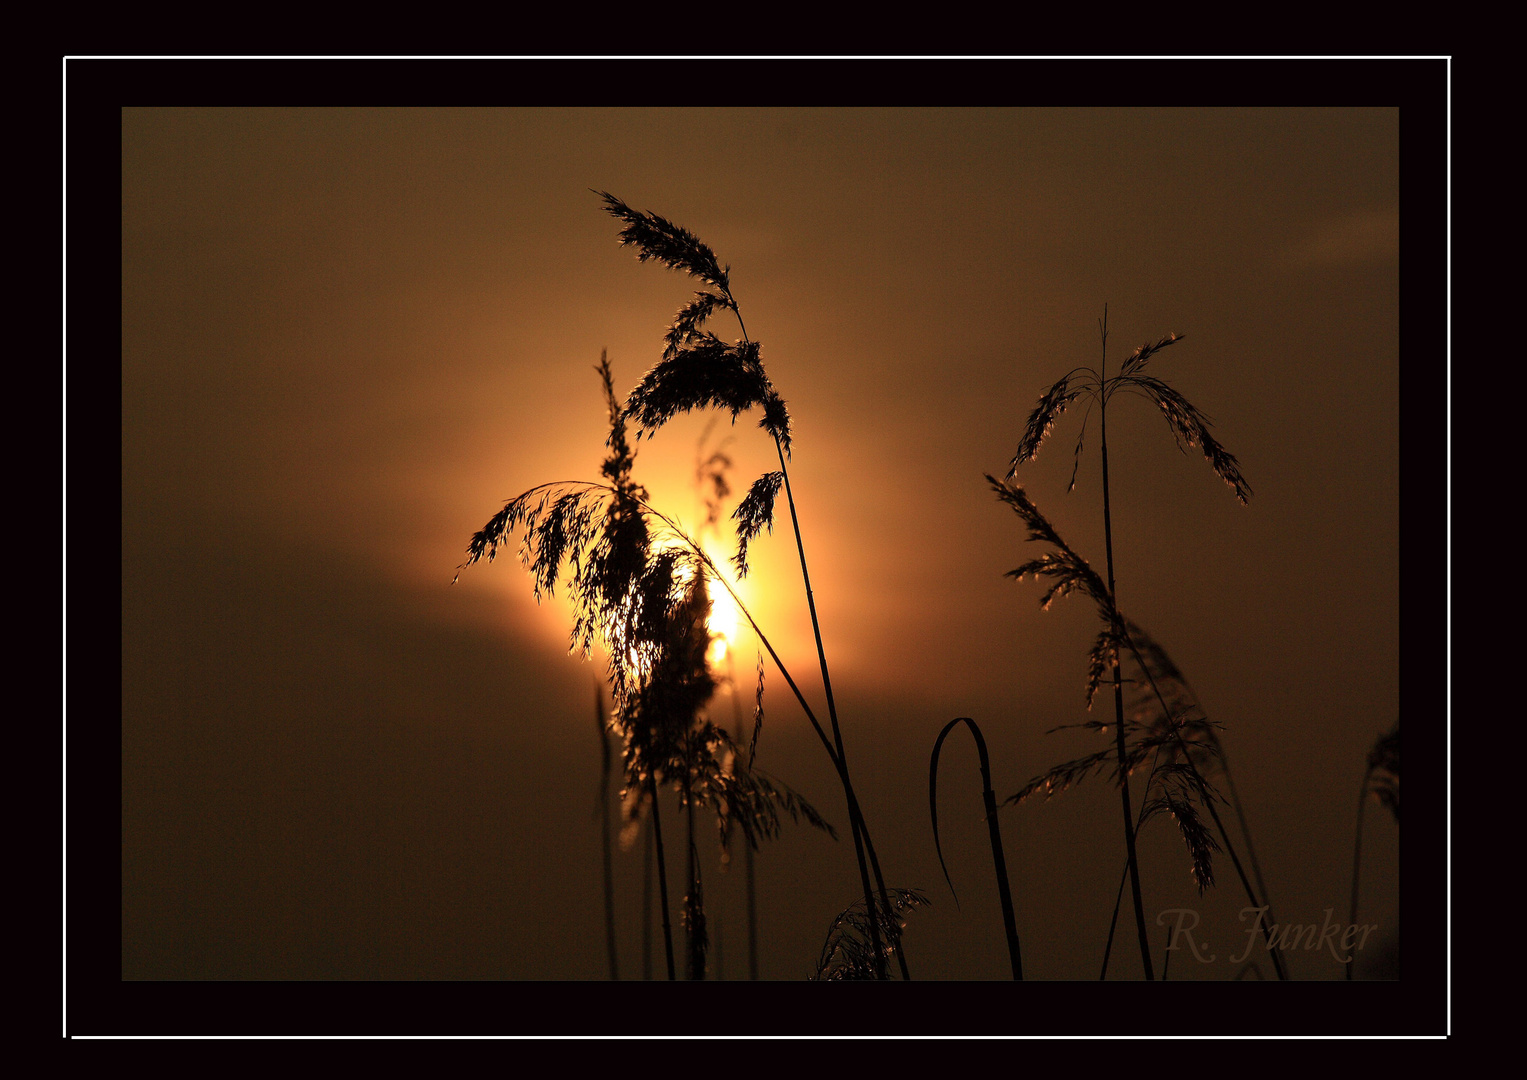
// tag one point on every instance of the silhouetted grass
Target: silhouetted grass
(638, 584)
(699, 370)
(849, 953)
(994, 833)
(712, 466)
(1381, 779)
(1188, 426)
(647, 605)
(1174, 741)
(601, 723)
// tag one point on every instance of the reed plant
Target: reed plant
(699, 371)
(993, 830)
(1179, 743)
(849, 952)
(712, 468)
(1381, 781)
(602, 728)
(638, 585)
(1190, 428)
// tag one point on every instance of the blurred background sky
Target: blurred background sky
(350, 335)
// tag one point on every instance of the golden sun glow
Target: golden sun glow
(723, 619)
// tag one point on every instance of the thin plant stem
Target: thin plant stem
(604, 823)
(1235, 802)
(747, 849)
(1357, 856)
(678, 249)
(856, 817)
(694, 913)
(863, 846)
(752, 895)
(647, 908)
(1264, 909)
(1118, 902)
(662, 875)
(862, 843)
(1124, 873)
(1240, 816)
(1118, 686)
(993, 830)
(1004, 891)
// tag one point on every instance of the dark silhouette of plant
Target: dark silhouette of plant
(1178, 742)
(699, 370)
(1381, 779)
(602, 726)
(646, 604)
(1177, 698)
(849, 954)
(1188, 426)
(712, 464)
(999, 860)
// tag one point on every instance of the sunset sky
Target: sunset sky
(350, 335)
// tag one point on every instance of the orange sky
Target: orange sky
(350, 335)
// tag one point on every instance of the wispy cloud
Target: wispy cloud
(1359, 238)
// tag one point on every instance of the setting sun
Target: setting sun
(722, 621)
(434, 422)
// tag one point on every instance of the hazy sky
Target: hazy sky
(350, 335)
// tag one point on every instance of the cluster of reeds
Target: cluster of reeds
(640, 589)
(699, 370)
(638, 585)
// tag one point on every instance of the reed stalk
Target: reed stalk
(1383, 762)
(1357, 859)
(749, 875)
(994, 834)
(647, 605)
(1265, 919)
(605, 839)
(699, 370)
(662, 875)
(647, 884)
(1118, 685)
(1188, 426)
(695, 932)
(1071, 572)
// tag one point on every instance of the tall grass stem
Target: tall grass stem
(604, 826)
(1118, 687)
(662, 875)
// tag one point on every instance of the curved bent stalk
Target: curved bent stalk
(994, 831)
